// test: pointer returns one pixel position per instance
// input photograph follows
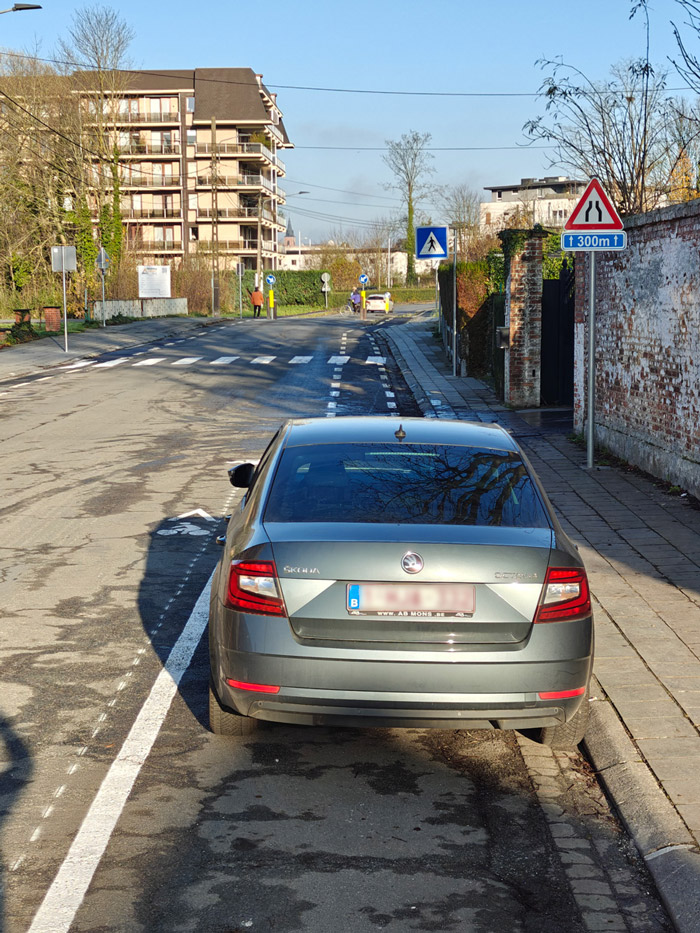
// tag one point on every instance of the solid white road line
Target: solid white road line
(187, 360)
(68, 889)
(150, 362)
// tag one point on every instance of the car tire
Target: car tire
(567, 735)
(224, 722)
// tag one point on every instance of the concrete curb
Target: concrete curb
(649, 817)
(411, 381)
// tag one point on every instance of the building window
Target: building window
(190, 104)
(499, 195)
(191, 137)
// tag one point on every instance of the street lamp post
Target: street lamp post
(21, 7)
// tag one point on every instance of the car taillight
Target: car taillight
(565, 595)
(252, 587)
(254, 688)
(561, 694)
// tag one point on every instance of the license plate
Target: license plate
(411, 600)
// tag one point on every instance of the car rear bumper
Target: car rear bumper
(444, 696)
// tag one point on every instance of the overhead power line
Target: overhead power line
(301, 87)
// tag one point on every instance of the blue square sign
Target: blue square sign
(431, 242)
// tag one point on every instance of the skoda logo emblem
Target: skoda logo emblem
(412, 562)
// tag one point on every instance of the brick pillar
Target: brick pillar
(523, 253)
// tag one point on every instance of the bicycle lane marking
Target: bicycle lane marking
(64, 897)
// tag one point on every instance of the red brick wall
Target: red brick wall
(647, 381)
(524, 316)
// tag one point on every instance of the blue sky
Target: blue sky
(407, 45)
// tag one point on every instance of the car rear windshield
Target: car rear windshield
(404, 484)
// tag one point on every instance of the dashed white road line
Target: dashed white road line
(64, 897)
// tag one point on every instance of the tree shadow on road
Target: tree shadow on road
(17, 771)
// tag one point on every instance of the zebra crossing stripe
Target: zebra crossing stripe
(263, 360)
(110, 363)
(150, 362)
(187, 361)
(301, 359)
(223, 360)
(339, 360)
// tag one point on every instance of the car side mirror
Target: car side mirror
(241, 475)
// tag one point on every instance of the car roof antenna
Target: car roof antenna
(400, 434)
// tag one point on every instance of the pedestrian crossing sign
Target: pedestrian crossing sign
(431, 242)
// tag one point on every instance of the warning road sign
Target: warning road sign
(594, 211)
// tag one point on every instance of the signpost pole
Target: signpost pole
(454, 303)
(65, 307)
(590, 421)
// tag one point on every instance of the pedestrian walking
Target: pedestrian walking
(258, 300)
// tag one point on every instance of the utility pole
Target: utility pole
(215, 307)
(258, 267)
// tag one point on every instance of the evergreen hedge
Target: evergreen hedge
(293, 286)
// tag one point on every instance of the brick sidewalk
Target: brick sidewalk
(641, 547)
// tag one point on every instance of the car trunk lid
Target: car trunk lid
(347, 582)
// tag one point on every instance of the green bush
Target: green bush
(412, 295)
(293, 287)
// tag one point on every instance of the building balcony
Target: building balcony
(140, 149)
(275, 132)
(151, 213)
(171, 116)
(238, 149)
(159, 246)
(236, 181)
(236, 213)
(237, 246)
(150, 181)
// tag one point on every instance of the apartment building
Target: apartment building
(199, 163)
(547, 201)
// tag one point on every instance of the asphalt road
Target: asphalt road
(120, 811)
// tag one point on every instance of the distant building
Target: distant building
(198, 163)
(548, 201)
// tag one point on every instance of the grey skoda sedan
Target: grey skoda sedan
(398, 573)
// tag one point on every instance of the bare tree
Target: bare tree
(409, 160)
(96, 47)
(624, 130)
(688, 66)
(463, 207)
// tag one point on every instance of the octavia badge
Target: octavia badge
(412, 562)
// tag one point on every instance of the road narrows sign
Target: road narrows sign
(594, 212)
